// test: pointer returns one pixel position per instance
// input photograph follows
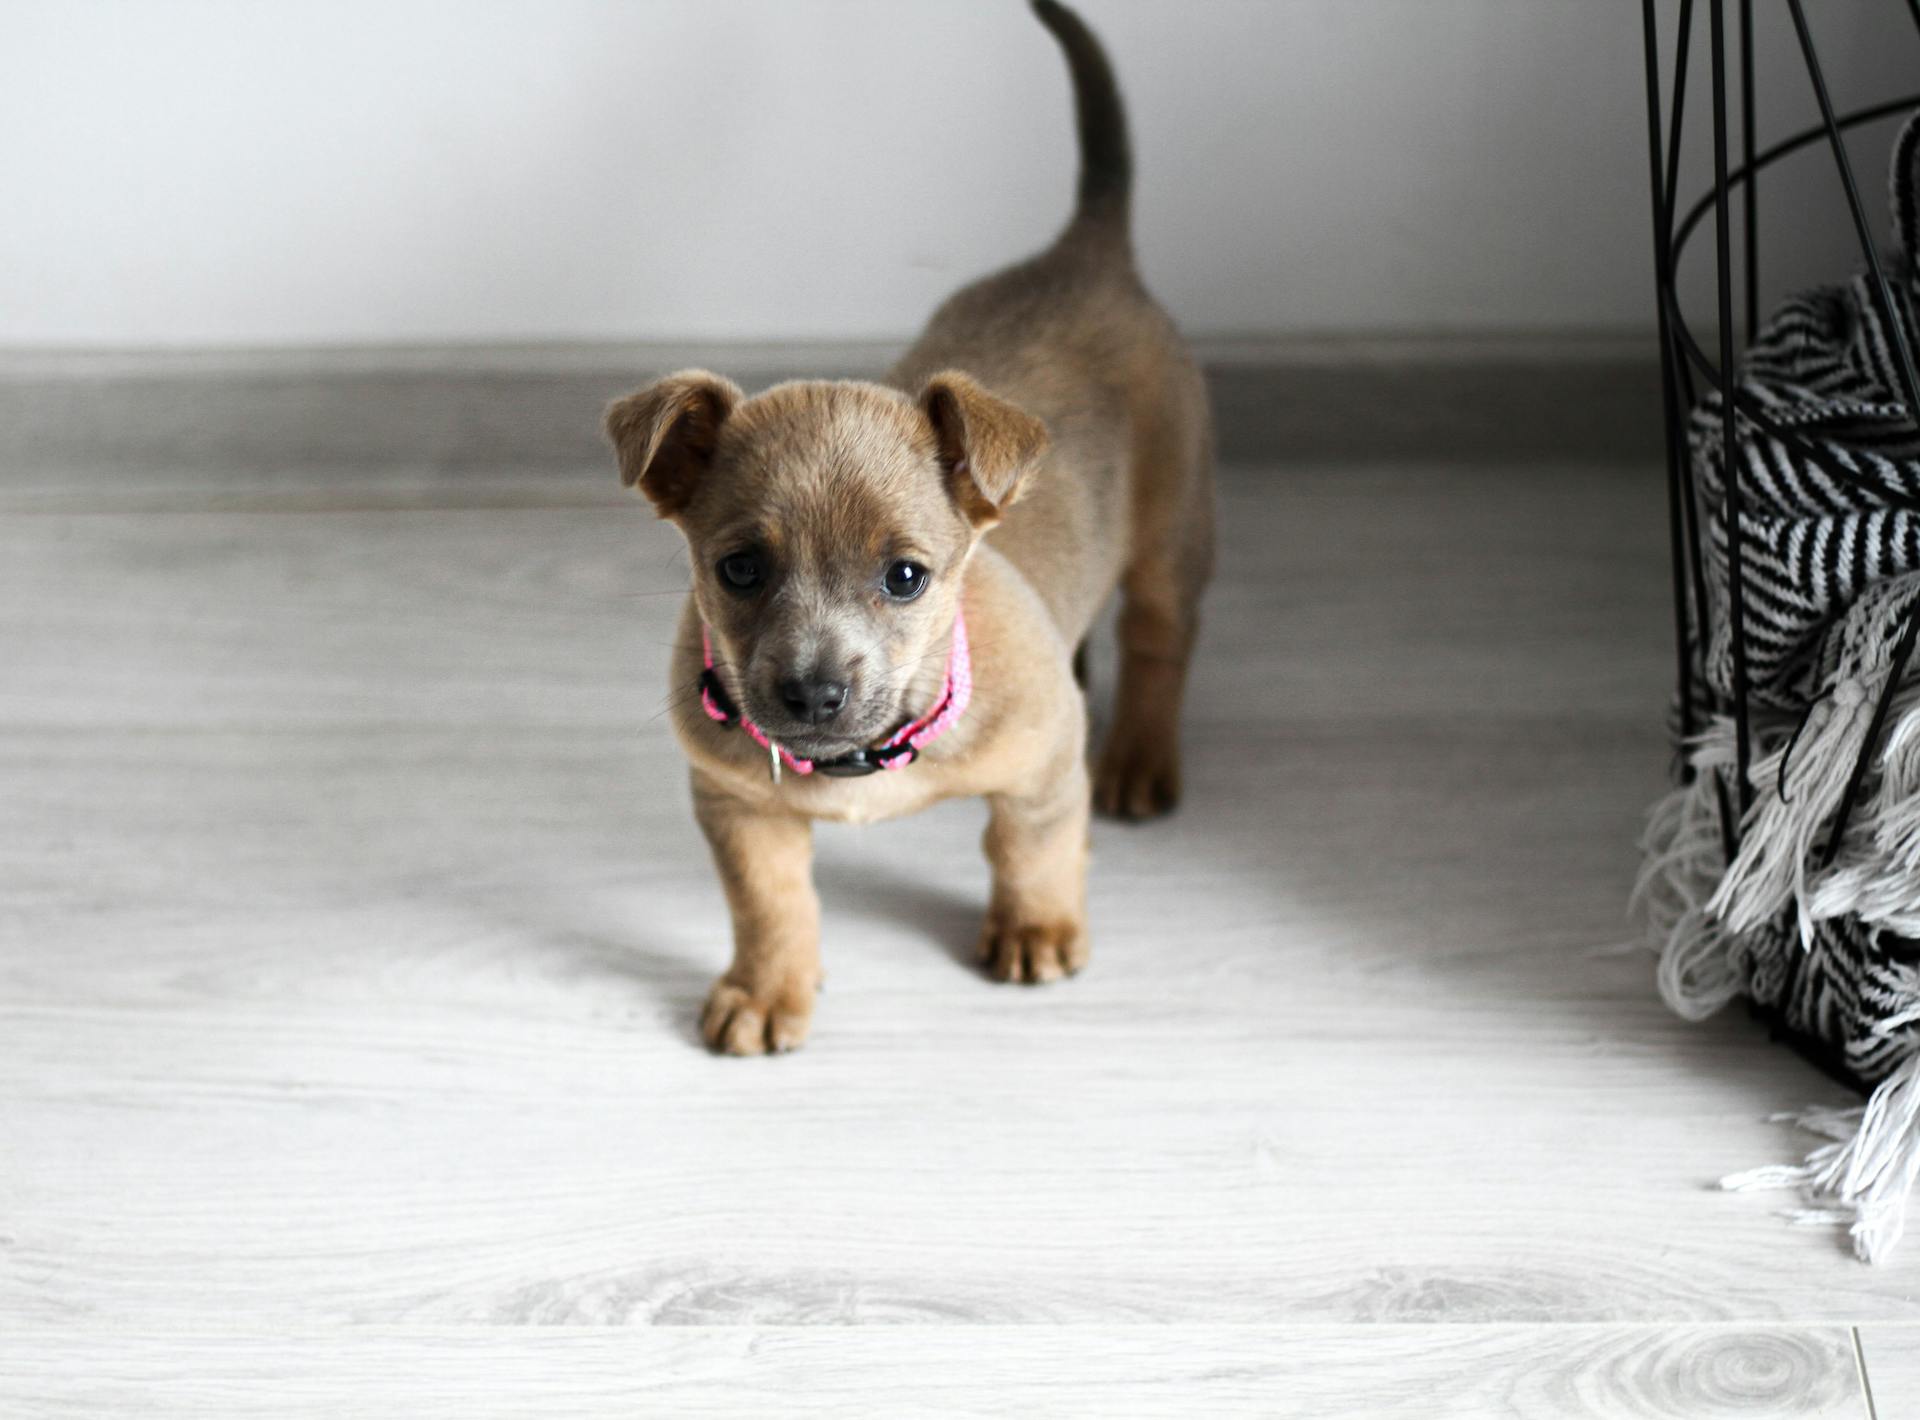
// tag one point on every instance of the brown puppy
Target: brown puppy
(836, 536)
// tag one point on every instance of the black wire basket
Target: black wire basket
(1686, 367)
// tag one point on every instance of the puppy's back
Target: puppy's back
(1073, 337)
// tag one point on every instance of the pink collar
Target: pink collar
(897, 751)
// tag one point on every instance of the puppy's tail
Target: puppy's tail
(1106, 159)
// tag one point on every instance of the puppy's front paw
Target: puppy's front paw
(740, 1021)
(1033, 952)
(1139, 777)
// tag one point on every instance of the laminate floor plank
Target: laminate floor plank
(1390, 1372)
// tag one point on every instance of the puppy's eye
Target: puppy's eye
(741, 571)
(906, 580)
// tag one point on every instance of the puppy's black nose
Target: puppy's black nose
(815, 701)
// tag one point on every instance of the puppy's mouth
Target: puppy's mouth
(821, 741)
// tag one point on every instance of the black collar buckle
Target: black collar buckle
(865, 761)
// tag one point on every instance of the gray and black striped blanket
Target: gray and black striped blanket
(1830, 538)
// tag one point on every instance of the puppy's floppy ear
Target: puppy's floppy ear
(987, 446)
(665, 434)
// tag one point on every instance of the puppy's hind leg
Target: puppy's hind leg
(1172, 557)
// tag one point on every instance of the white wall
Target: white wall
(264, 172)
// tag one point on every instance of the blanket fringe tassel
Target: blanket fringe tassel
(1862, 1178)
(1682, 861)
(1800, 783)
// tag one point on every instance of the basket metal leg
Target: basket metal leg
(1730, 423)
(1750, 188)
(1676, 520)
(1668, 196)
(1685, 396)
(1683, 45)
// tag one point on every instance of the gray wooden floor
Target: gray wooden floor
(353, 925)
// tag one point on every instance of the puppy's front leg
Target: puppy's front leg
(1037, 924)
(764, 1002)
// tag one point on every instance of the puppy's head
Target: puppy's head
(828, 525)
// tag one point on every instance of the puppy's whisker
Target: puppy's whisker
(674, 701)
(675, 698)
